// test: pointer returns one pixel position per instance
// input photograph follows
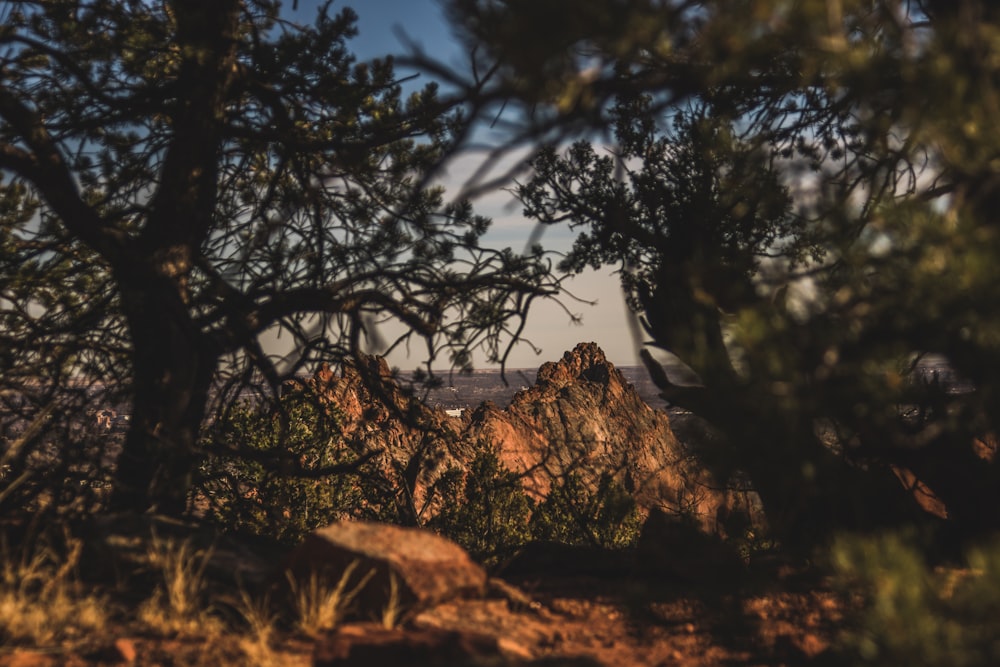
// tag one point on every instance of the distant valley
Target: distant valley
(468, 390)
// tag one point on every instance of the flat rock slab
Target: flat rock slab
(416, 566)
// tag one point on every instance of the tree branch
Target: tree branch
(44, 167)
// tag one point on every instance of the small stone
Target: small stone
(811, 645)
(22, 658)
(512, 649)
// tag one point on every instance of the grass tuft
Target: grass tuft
(178, 605)
(42, 603)
(319, 607)
(259, 628)
(392, 613)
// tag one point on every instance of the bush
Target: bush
(484, 509)
(267, 476)
(572, 514)
(913, 614)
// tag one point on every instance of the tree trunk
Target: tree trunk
(173, 368)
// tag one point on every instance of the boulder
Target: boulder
(427, 568)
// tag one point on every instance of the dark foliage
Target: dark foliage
(183, 182)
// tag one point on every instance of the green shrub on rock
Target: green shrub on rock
(281, 473)
(574, 514)
(484, 509)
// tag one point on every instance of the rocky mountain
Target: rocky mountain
(580, 417)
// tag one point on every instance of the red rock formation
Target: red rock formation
(581, 416)
(414, 442)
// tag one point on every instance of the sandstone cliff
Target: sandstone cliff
(580, 417)
(414, 443)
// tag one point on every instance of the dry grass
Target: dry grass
(42, 603)
(319, 607)
(260, 654)
(257, 616)
(178, 606)
(259, 629)
(393, 611)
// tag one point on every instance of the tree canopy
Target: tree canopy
(800, 198)
(181, 180)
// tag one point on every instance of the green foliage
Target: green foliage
(694, 211)
(801, 201)
(573, 514)
(916, 615)
(483, 508)
(754, 543)
(273, 482)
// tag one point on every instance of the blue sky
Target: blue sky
(380, 20)
(549, 327)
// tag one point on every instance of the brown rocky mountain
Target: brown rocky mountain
(581, 417)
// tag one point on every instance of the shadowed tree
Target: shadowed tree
(184, 180)
(875, 118)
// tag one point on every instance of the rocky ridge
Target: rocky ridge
(581, 416)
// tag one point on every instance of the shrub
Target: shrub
(913, 614)
(484, 509)
(573, 514)
(267, 477)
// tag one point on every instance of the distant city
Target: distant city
(466, 391)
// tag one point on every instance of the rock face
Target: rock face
(427, 568)
(414, 442)
(581, 417)
(377, 411)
